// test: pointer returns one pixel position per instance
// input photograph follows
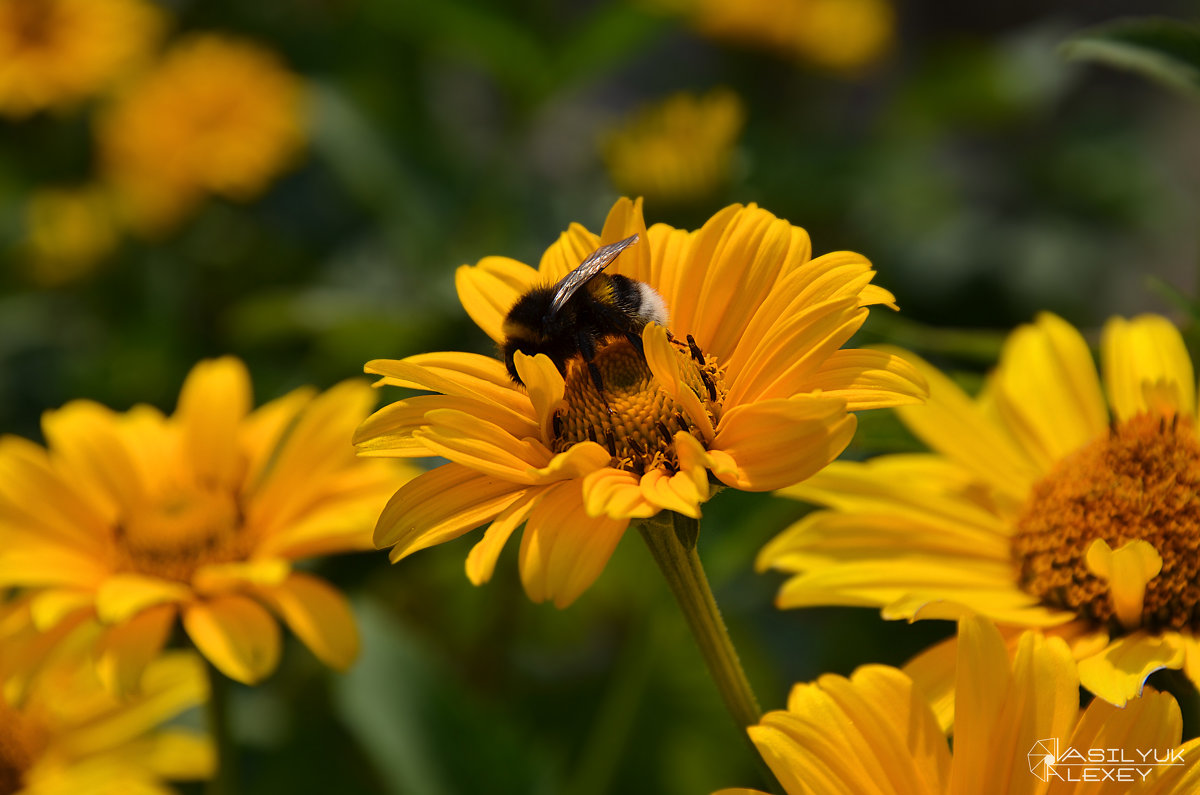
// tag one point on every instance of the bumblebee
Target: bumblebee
(586, 308)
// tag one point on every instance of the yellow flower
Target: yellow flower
(678, 150)
(1019, 731)
(217, 115)
(69, 232)
(746, 381)
(1035, 509)
(54, 53)
(66, 734)
(132, 519)
(844, 35)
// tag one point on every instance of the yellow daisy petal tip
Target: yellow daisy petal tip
(1128, 570)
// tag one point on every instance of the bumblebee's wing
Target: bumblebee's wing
(597, 261)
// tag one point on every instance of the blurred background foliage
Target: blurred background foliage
(988, 171)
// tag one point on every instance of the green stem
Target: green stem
(220, 687)
(674, 549)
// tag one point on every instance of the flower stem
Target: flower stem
(674, 549)
(224, 778)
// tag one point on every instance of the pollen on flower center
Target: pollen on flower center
(635, 417)
(171, 535)
(1141, 482)
(33, 22)
(21, 740)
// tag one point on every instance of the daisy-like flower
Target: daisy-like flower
(678, 150)
(1019, 731)
(66, 734)
(842, 35)
(55, 53)
(1036, 508)
(130, 520)
(69, 232)
(746, 381)
(216, 116)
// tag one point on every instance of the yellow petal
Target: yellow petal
(868, 379)
(171, 684)
(826, 279)
(897, 726)
(1181, 779)
(36, 565)
(983, 684)
(782, 361)
(125, 650)
(1117, 673)
(262, 431)
(1047, 390)
(563, 549)
(933, 673)
(389, 431)
(318, 444)
(123, 595)
(465, 439)
(546, 388)
(89, 452)
(1145, 726)
(625, 219)
(680, 287)
(952, 424)
(694, 462)
(663, 360)
(236, 634)
(1043, 702)
(662, 490)
(780, 442)
(754, 251)
(668, 265)
(319, 615)
(481, 561)
(1128, 571)
(489, 289)
(35, 495)
(48, 607)
(616, 494)
(213, 402)
(440, 505)
(215, 578)
(481, 378)
(577, 461)
(564, 254)
(1147, 367)
(181, 755)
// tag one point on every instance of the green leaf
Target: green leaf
(1165, 50)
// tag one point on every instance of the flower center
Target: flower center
(1140, 482)
(33, 22)
(21, 742)
(172, 534)
(634, 417)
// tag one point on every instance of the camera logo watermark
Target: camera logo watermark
(1048, 763)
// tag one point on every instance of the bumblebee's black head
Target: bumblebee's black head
(525, 329)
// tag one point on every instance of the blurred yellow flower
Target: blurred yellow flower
(678, 150)
(843, 35)
(132, 519)
(1037, 509)
(1019, 730)
(68, 232)
(216, 116)
(67, 735)
(54, 53)
(746, 381)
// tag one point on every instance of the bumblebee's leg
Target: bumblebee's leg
(587, 349)
(636, 341)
